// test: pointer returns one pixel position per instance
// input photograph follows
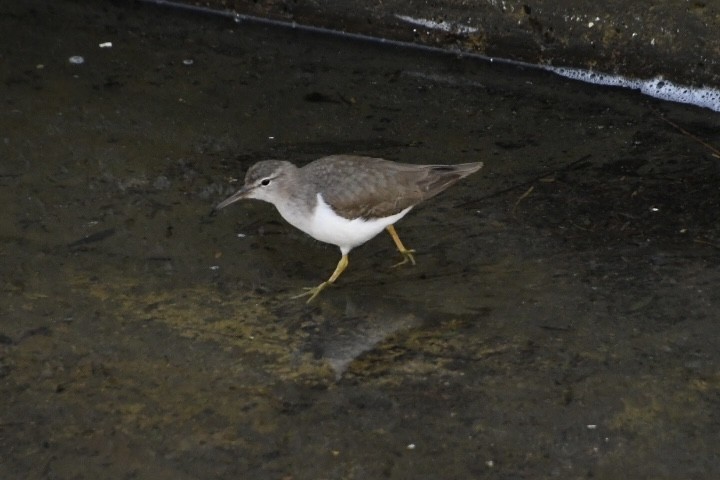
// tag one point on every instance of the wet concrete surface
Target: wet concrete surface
(561, 321)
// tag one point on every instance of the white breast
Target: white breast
(329, 227)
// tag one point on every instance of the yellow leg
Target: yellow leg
(314, 291)
(407, 254)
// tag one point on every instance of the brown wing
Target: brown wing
(372, 187)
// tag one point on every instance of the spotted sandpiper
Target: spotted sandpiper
(346, 200)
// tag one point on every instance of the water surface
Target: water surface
(561, 321)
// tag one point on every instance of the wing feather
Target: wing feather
(366, 187)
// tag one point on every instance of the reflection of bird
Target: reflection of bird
(346, 200)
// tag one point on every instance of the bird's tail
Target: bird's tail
(443, 176)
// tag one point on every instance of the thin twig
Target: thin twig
(523, 196)
(716, 152)
(705, 242)
(527, 182)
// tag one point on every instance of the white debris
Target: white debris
(656, 87)
(433, 25)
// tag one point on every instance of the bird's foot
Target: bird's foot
(407, 257)
(315, 291)
(312, 292)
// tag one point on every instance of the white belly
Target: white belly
(329, 227)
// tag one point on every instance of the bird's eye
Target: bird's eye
(265, 182)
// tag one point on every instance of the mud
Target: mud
(561, 321)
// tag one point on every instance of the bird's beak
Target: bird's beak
(239, 195)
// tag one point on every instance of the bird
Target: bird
(345, 200)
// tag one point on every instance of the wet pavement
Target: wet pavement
(562, 321)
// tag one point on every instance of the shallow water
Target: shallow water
(561, 321)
